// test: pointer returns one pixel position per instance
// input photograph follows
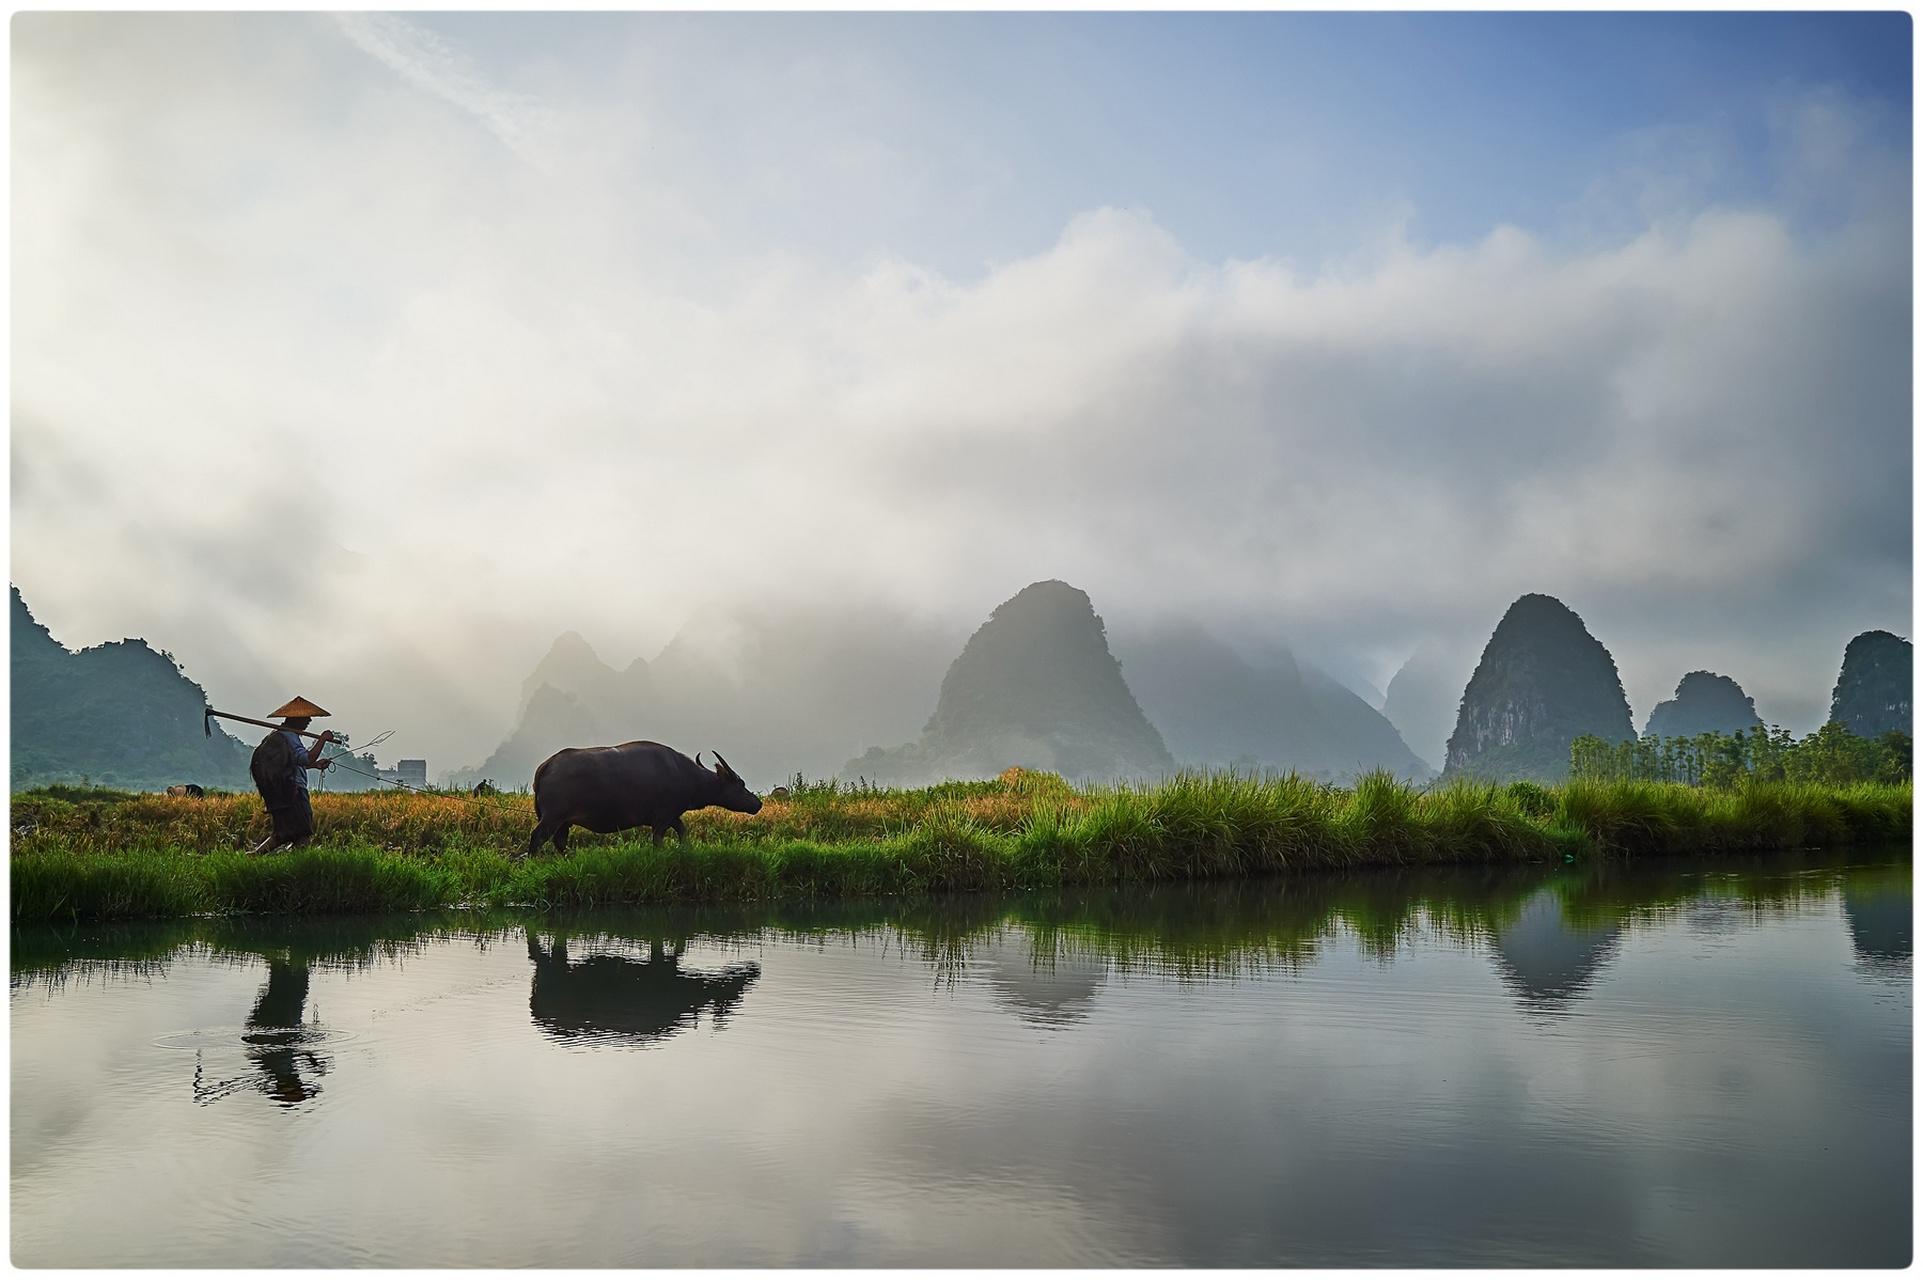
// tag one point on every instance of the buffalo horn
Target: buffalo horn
(725, 766)
(697, 761)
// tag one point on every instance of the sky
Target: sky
(360, 356)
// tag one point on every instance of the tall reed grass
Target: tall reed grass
(151, 855)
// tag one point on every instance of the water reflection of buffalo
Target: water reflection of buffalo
(606, 997)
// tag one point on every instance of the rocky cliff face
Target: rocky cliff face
(1543, 682)
(1872, 694)
(118, 714)
(1035, 686)
(1704, 703)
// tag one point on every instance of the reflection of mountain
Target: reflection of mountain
(613, 998)
(1547, 962)
(1879, 924)
(1042, 991)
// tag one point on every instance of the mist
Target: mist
(363, 358)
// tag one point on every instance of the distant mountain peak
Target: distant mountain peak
(1270, 712)
(1704, 703)
(1034, 686)
(1543, 682)
(571, 666)
(120, 713)
(1872, 694)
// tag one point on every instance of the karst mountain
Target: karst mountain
(1035, 687)
(1704, 703)
(1543, 682)
(1872, 694)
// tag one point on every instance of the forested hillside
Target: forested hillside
(119, 714)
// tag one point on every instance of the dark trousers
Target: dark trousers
(292, 814)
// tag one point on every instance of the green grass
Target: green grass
(94, 857)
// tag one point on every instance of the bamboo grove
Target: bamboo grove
(1831, 756)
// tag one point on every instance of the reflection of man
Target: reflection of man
(275, 1038)
(274, 1033)
(280, 766)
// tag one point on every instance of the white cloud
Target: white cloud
(428, 62)
(288, 358)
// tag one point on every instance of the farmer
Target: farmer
(280, 766)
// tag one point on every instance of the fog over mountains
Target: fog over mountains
(776, 692)
(1043, 683)
(860, 692)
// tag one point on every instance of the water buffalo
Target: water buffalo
(181, 789)
(637, 784)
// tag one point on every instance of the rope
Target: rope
(495, 799)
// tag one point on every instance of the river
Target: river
(1701, 1063)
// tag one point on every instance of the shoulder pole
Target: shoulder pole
(207, 723)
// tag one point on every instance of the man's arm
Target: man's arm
(310, 757)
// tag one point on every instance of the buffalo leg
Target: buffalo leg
(544, 830)
(657, 835)
(680, 830)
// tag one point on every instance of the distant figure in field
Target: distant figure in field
(280, 766)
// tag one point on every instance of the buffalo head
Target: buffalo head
(734, 792)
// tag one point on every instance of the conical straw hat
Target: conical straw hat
(299, 707)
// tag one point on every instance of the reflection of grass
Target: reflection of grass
(122, 857)
(1184, 929)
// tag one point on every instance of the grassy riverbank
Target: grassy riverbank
(118, 856)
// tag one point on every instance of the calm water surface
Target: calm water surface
(1701, 1064)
